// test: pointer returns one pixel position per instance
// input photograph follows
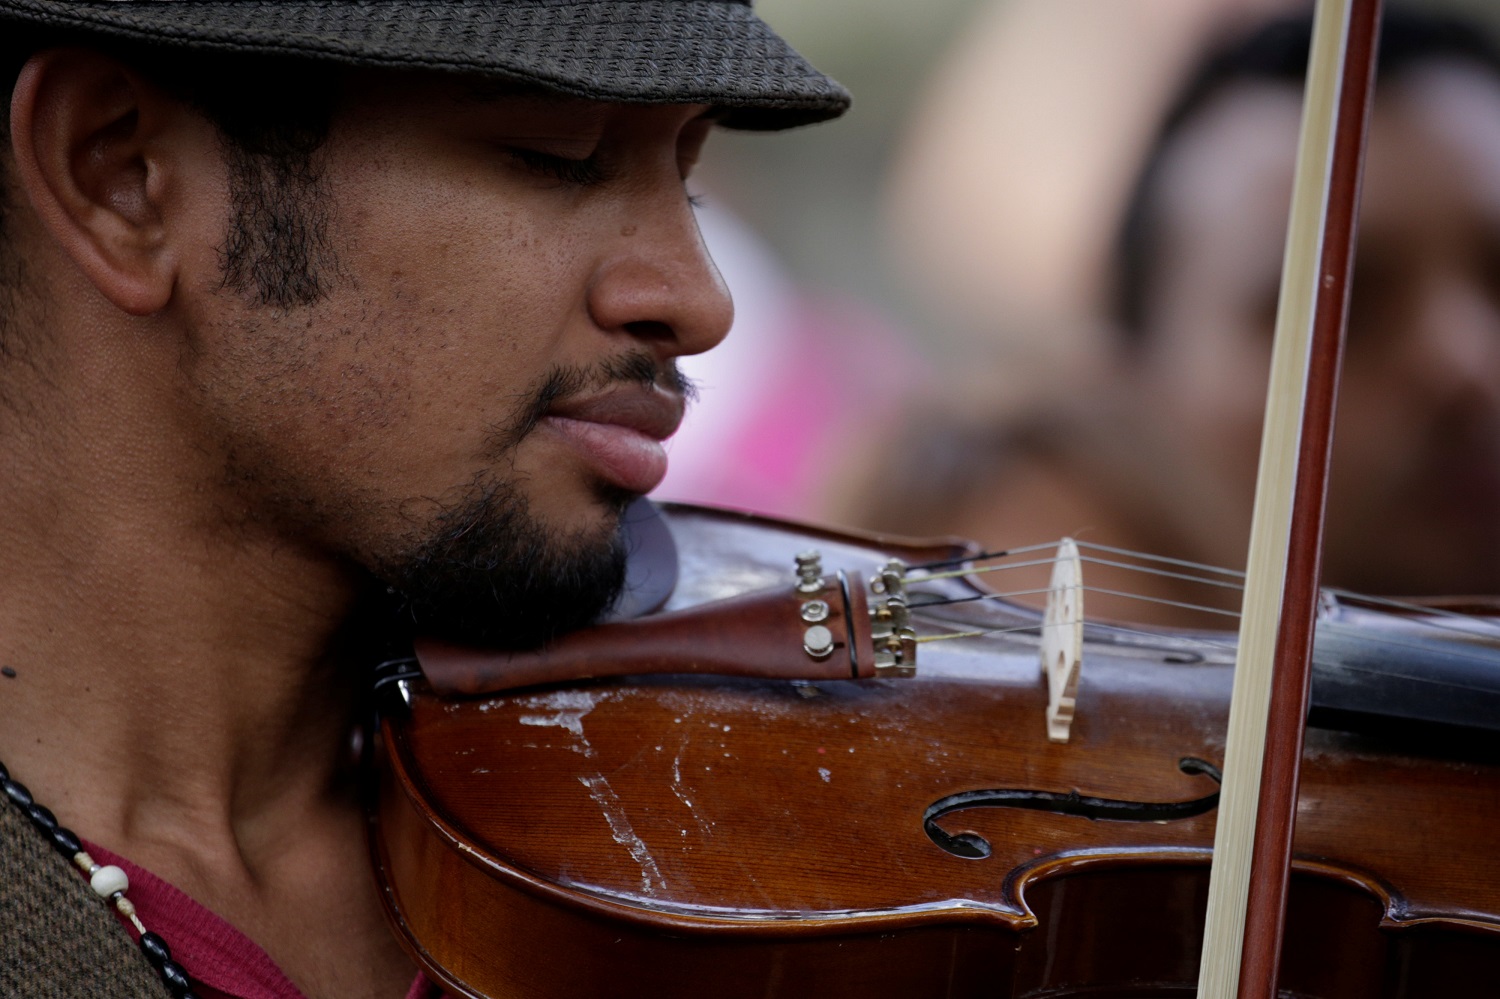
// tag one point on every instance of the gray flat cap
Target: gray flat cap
(657, 51)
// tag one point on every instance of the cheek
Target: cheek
(486, 271)
(466, 310)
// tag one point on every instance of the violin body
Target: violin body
(687, 835)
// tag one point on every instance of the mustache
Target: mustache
(635, 368)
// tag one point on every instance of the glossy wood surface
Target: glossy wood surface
(690, 836)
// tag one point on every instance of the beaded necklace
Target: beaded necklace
(108, 881)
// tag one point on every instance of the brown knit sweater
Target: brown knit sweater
(58, 940)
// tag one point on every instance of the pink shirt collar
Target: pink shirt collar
(222, 961)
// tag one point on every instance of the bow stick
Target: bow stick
(1253, 838)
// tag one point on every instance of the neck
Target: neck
(180, 683)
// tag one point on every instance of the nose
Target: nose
(658, 283)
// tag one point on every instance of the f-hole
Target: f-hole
(971, 846)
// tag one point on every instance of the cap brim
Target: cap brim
(714, 52)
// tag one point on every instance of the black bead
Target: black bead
(176, 978)
(67, 844)
(157, 951)
(4, 773)
(41, 817)
(16, 791)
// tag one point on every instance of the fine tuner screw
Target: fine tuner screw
(891, 580)
(810, 572)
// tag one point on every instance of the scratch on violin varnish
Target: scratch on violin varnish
(619, 826)
(704, 826)
(565, 709)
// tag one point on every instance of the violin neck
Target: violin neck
(1422, 679)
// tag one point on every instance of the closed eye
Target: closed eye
(583, 173)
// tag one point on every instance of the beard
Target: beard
(490, 574)
(486, 571)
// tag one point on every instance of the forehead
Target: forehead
(1241, 144)
(1223, 184)
(1440, 129)
(1434, 140)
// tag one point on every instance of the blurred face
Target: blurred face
(490, 374)
(1414, 504)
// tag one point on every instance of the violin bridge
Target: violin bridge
(1062, 639)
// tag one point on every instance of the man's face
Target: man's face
(490, 374)
(1414, 502)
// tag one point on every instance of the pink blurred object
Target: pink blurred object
(788, 393)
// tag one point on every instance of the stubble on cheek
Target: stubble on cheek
(353, 427)
(310, 443)
(293, 408)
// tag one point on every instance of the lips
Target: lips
(619, 433)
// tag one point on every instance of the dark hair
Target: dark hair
(1276, 53)
(277, 246)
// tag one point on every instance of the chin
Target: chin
(498, 571)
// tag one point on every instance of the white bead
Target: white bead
(108, 880)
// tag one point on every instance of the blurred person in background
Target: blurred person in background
(1156, 449)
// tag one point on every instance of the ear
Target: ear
(93, 146)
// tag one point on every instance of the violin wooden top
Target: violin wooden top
(761, 800)
(702, 805)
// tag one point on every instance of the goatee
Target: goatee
(486, 571)
(492, 576)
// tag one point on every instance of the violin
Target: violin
(865, 813)
(760, 791)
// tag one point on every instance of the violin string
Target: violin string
(980, 557)
(1227, 647)
(1414, 677)
(1094, 560)
(1101, 590)
(1158, 638)
(1166, 573)
(1469, 654)
(961, 560)
(1387, 642)
(1466, 624)
(1148, 557)
(982, 570)
(983, 632)
(1179, 641)
(1008, 594)
(1457, 622)
(1146, 598)
(1092, 545)
(1182, 604)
